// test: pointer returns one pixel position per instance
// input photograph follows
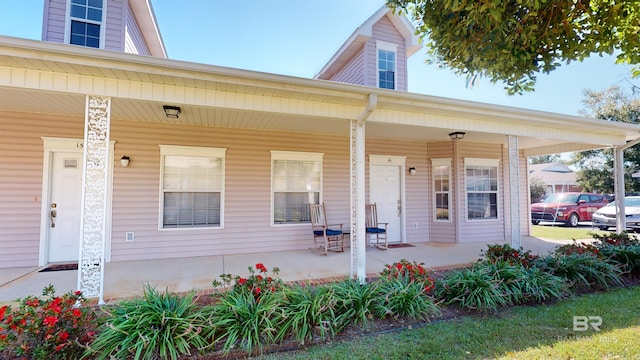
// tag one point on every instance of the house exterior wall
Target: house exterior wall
(353, 72)
(362, 68)
(442, 231)
(55, 16)
(134, 41)
(136, 189)
(53, 20)
(21, 181)
(482, 230)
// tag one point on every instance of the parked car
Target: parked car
(568, 208)
(606, 217)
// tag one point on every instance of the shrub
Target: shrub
(577, 248)
(410, 271)
(308, 312)
(626, 256)
(158, 325)
(583, 271)
(356, 302)
(472, 289)
(47, 327)
(247, 321)
(256, 283)
(522, 285)
(403, 298)
(497, 252)
(615, 239)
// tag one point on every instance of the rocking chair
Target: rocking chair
(376, 231)
(326, 237)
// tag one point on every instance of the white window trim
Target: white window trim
(293, 155)
(435, 163)
(177, 150)
(387, 46)
(482, 162)
(102, 23)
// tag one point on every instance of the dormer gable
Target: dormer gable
(126, 26)
(376, 53)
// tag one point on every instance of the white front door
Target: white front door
(65, 206)
(385, 191)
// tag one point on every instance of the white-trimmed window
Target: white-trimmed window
(192, 187)
(296, 179)
(441, 169)
(386, 56)
(85, 22)
(481, 180)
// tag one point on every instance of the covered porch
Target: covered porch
(125, 279)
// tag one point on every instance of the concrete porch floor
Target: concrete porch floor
(126, 278)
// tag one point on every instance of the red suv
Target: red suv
(569, 208)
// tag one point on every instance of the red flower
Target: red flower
(78, 292)
(261, 267)
(399, 266)
(242, 281)
(59, 347)
(259, 277)
(50, 320)
(76, 312)
(63, 336)
(3, 310)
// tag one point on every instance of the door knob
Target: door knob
(53, 215)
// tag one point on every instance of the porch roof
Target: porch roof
(54, 78)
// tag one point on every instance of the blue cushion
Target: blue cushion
(375, 230)
(329, 232)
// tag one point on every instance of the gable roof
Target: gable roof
(146, 18)
(550, 167)
(362, 34)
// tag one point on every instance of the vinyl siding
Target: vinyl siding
(482, 230)
(354, 72)
(385, 31)
(442, 231)
(114, 26)
(53, 20)
(21, 181)
(134, 41)
(416, 205)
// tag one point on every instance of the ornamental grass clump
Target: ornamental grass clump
(47, 327)
(356, 302)
(583, 271)
(309, 312)
(626, 256)
(400, 297)
(246, 322)
(474, 288)
(158, 325)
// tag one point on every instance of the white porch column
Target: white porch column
(618, 186)
(94, 197)
(358, 231)
(514, 191)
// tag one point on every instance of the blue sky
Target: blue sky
(297, 37)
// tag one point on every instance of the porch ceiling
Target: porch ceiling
(47, 78)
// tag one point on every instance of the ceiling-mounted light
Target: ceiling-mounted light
(457, 135)
(171, 111)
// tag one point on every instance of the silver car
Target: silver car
(605, 217)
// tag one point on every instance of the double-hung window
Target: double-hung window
(296, 179)
(386, 54)
(481, 180)
(192, 187)
(441, 169)
(85, 22)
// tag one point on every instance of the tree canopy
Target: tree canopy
(596, 166)
(511, 41)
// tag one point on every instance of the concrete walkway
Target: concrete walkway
(127, 278)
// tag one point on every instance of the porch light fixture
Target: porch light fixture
(457, 135)
(412, 170)
(124, 161)
(171, 111)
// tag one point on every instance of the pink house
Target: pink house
(225, 161)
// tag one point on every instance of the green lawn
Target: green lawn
(540, 332)
(558, 232)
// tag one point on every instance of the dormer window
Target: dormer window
(85, 22)
(386, 65)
